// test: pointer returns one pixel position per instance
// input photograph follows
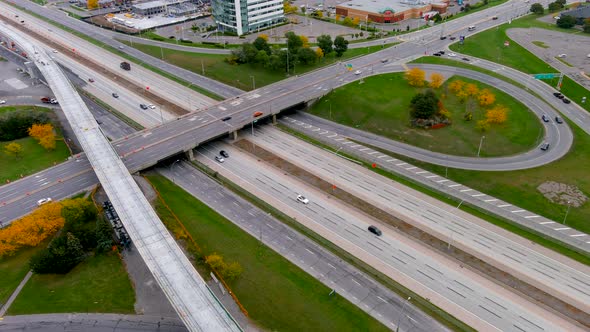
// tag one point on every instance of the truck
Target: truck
(49, 100)
(125, 65)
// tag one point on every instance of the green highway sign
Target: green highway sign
(545, 76)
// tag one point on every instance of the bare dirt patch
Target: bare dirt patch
(522, 288)
(561, 193)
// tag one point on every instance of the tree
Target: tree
(306, 55)
(293, 42)
(340, 45)
(262, 58)
(482, 125)
(47, 142)
(347, 21)
(356, 21)
(415, 77)
(456, 86)
(92, 4)
(319, 14)
(304, 41)
(486, 97)
(263, 36)
(537, 9)
(232, 271)
(215, 261)
(337, 17)
(104, 236)
(424, 105)
(554, 6)
(62, 255)
(261, 44)
(471, 89)
(566, 21)
(587, 25)
(319, 53)
(325, 44)
(436, 80)
(497, 114)
(288, 8)
(13, 149)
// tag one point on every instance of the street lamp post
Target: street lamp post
(402, 313)
(567, 211)
(177, 160)
(480, 143)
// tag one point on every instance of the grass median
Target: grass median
(14, 268)
(277, 294)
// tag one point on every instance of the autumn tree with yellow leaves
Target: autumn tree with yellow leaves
(415, 77)
(497, 115)
(13, 149)
(436, 80)
(486, 97)
(456, 86)
(32, 229)
(44, 134)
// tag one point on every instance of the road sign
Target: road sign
(546, 76)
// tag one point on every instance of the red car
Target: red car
(257, 114)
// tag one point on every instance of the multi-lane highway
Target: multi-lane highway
(470, 297)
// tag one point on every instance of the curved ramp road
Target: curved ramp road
(189, 295)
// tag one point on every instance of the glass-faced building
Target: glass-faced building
(244, 16)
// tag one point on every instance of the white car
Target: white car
(54, 51)
(219, 159)
(452, 54)
(358, 72)
(562, 55)
(2, 102)
(43, 201)
(151, 106)
(302, 199)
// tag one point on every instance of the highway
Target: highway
(478, 302)
(183, 286)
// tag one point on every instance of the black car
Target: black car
(557, 94)
(452, 37)
(437, 54)
(224, 154)
(441, 52)
(143, 106)
(565, 100)
(558, 119)
(465, 59)
(545, 118)
(226, 118)
(561, 96)
(443, 37)
(375, 230)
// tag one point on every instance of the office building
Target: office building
(245, 16)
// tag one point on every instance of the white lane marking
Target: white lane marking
(411, 168)
(349, 142)
(516, 211)
(547, 222)
(530, 217)
(401, 164)
(372, 153)
(464, 190)
(382, 156)
(577, 235)
(504, 205)
(339, 139)
(432, 176)
(442, 181)
(333, 136)
(561, 229)
(421, 172)
(356, 282)
(491, 200)
(478, 195)
(309, 251)
(390, 160)
(364, 149)
(454, 185)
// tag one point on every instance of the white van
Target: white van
(471, 28)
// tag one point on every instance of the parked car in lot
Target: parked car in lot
(224, 154)
(452, 54)
(375, 230)
(558, 119)
(151, 106)
(302, 199)
(43, 201)
(436, 54)
(545, 118)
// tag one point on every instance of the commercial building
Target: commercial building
(168, 7)
(243, 16)
(389, 11)
(581, 14)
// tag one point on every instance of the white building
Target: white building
(243, 16)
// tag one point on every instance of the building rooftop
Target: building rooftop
(380, 6)
(582, 11)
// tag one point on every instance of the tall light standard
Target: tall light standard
(402, 313)
(177, 160)
(480, 143)
(567, 211)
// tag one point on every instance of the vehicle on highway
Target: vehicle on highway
(43, 201)
(143, 106)
(384, 60)
(125, 65)
(151, 106)
(224, 154)
(545, 146)
(452, 54)
(565, 100)
(46, 100)
(375, 230)
(54, 51)
(558, 95)
(441, 52)
(302, 199)
(545, 118)
(436, 54)
(471, 28)
(257, 114)
(91, 80)
(563, 55)
(558, 119)
(494, 17)
(115, 95)
(2, 102)
(358, 72)
(465, 59)
(443, 37)
(53, 101)
(219, 159)
(226, 118)
(452, 37)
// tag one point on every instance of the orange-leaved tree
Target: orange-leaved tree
(415, 77)
(304, 41)
(436, 80)
(497, 114)
(13, 149)
(319, 53)
(44, 134)
(456, 86)
(31, 229)
(486, 97)
(471, 89)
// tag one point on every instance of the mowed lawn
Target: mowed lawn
(244, 76)
(99, 284)
(14, 268)
(278, 295)
(381, 105)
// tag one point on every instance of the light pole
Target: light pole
(177, 160)
(567, 211)
(402, 312)
(480, 143)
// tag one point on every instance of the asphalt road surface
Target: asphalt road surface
(349, 282)
(472, 299)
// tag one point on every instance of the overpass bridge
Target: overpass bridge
(194, 302)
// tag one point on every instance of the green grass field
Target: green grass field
(376, 109)
(278, 295)
(489, 45)
(99, 284)
(239, 76)
(14, 268)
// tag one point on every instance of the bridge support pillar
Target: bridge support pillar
(190, 155)
(234, 135)
(274, 119)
